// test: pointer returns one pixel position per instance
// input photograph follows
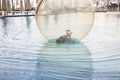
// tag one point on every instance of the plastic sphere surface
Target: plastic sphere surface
(54, 17)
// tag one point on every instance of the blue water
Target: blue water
(28, 56)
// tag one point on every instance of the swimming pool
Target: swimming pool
(26, 55)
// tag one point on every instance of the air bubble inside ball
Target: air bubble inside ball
(54, 17)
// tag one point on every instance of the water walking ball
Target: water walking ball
(54, 17)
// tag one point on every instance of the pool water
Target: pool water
(26, 55)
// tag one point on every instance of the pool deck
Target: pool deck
(16, 15)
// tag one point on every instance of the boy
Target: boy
(64, 38)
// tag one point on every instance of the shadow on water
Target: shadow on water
(64, 62)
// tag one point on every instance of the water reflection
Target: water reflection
(56, 19)
(28, 20)
(64, 62)
(4, 26)
(104, 44)
(46, 21)
(27, 58)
